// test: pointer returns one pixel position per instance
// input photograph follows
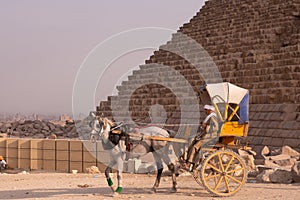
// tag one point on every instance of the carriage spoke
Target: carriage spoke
(221, 163)
(234, 170)
(234, 179)
(228, 165)
(227, 185)
(212, 176)
(219, 182)
(213, 167)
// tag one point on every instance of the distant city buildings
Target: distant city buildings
(34, 116)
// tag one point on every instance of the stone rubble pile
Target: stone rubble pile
(92, 170)
(38, 129)
(277, 165)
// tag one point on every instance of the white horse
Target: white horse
(139, 147)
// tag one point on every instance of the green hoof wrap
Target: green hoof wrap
(119, 190)
(109, 182)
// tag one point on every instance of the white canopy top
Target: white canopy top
(226, 93)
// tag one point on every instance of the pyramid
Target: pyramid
(254, 44)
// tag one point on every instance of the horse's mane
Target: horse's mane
(106, 121)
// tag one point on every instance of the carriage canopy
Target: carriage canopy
(225, 94)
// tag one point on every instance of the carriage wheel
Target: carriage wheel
(223, 173)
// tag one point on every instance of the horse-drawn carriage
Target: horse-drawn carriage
(220, 170)
(223, 172)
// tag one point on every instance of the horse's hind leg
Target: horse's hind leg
(166, 158)
(108, 178)
(174, 182)
(120, 163)
(159, 170)
(120, 187)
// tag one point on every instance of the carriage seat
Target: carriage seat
(233, 128)
(230, 130)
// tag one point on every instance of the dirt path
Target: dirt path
(67, 186)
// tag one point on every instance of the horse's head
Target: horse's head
(105, 126)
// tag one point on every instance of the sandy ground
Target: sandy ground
(37, 185)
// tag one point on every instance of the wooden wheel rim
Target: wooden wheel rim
(223, 173)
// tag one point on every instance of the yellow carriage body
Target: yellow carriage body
(231, 105)
(234, 129)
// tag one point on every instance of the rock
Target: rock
(46, 128)
(37, 126)
(259, 161)
(15, 125)
(275, 152)
(83, 186)
(3, 129)
(281, 176)
(51, 126)
(275, 176)
(288, 162)
(248, 158)
(40, 135)
(270, 164)
(52, 136)
(296, 172)
(286, 150)
(8, 125)
(263, 177)
(282, 160)
(93, 170)
(265, 151)
(59, 133)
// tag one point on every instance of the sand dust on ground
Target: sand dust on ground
(52, 186)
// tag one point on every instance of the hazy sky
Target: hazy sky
(43, 43)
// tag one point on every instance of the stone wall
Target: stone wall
(255, 44)
(54, 155)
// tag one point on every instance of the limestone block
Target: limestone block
(281, 176)
(275, 151)
(296, 172)
(277, 142)
(259, 161)
(265, 151)
(294, 143)
(286, 150)
(263, 177)
(282, 160)
(248, 158)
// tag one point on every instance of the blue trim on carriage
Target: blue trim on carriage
(244, 109)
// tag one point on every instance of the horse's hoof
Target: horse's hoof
(173, 190)
(115, 194)
(154, 190)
